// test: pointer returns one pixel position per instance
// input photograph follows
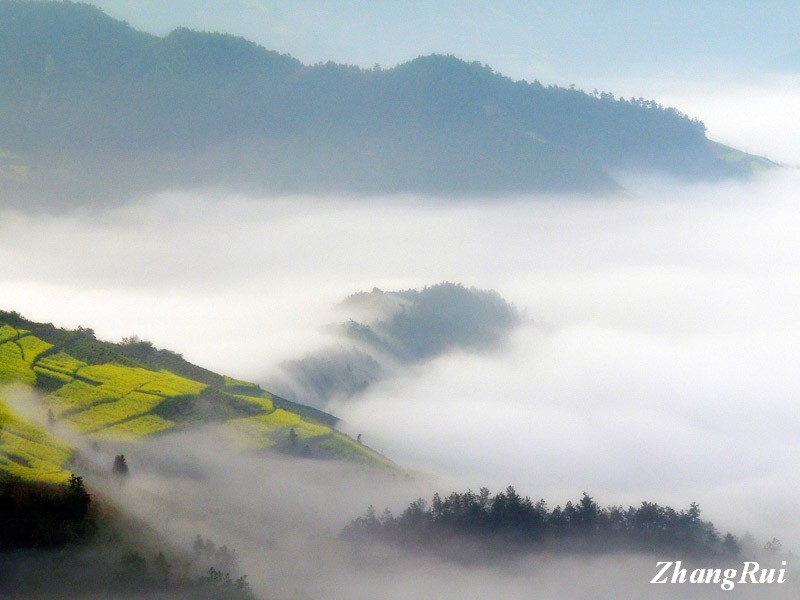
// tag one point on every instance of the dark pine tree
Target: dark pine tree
(120, 468)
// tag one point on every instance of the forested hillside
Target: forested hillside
(92, 108)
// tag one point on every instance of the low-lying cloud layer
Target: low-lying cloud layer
(661, 365)
(282, 516)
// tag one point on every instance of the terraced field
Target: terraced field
(92, 398)
(112, 391)
(30, 452)
(272, 430)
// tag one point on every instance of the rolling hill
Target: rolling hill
(128, 391)
(92, 109)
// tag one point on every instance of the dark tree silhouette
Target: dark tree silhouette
(44, 516)
(507, 522)
(120, 468)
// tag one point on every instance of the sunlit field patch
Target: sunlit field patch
(30, 452)
(7, 333)
(109, 413)
(167, 384)
(13, 366)
(32, 347)
(273, 428)
(265, 403)
(79, 395)
(138, 427)
(64, 378)
(61, 362)
(231, 382)
(345, 447)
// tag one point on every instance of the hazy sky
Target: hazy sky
(577, 41)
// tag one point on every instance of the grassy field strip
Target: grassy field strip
(62, 377)
(8, 333)
(343, 446)
(167, 385)
(115, 379)
(122, 380)
(114, 407)
(13, 367)
(30, 452)
(264, 403)
(238, 383)
(32, 347)
(111, 413)
(272, 429)
(77, 395)
(136, 427)
(61, 362)
(34, 470)
(35, 450)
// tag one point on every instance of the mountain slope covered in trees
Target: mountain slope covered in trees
(94, 108)
(127, 391)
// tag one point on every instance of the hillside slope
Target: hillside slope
(96, 109)
(131, 390)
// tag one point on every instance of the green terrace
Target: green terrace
(97, 389)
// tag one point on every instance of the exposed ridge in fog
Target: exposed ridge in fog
(389, 330)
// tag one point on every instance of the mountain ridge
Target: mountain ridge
(98, 110)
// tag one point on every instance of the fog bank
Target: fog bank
(283, 516)
(661, 362)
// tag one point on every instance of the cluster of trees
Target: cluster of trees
(218, 579)
(44, 516)
(107, 572)
(133, 573)
(218, 585)
(219, 558)
(507, 521)
(12, 317)
(95, 554)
